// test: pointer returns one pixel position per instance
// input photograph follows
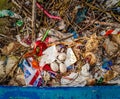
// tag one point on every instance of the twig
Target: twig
(115, 17)
(33, 19)
(7, 37)
(103, 23)
(88, 25)
(16, 3)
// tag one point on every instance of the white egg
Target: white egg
(54, 66)
(62, 56)
(63, 68)
(58, 61)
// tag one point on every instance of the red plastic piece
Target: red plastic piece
(109, 32)
(47, 67)
(47, 13)
(39, 47)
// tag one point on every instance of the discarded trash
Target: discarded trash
(91, 58)
(50, 16)
(5, 13)
(116, 31)
(107, 64)
(47, 57)
(110, 46)
(39, 47)
(21, 42)
(72, 31)
(19, 23)
(74, 79)
(70, 58)
(76, 44)
(32, 76)
(100, 81)
(44, 37)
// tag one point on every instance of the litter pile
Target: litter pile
(60, 43)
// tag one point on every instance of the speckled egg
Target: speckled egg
(63, 68)
(62, 56)
(54, 66)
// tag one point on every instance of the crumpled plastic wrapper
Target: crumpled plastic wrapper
(116, 80)
(92, 43)
(75, 79)
(71, 58)
(109, 75)
(110, 46)
(79, 78)
(49, 55)
(91, 57)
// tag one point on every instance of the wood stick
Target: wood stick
(2, 35)
(33, 19)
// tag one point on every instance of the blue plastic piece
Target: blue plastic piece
(97, 92)
(72, 31)
(69, 67)
(75, 35)
(110, 63)
(107, 64)
(4, 13)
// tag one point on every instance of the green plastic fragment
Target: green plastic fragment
(4, 13)
(19, 23)
(100, 80)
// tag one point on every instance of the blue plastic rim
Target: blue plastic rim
(94, 92)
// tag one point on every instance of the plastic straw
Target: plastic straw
(44, 37)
